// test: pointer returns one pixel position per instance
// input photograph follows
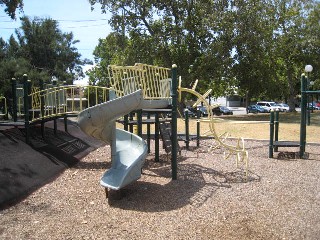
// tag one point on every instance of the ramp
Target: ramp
(128, 151)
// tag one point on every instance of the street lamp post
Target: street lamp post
(308, 69)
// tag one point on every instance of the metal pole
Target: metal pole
(174, 136)
(139, 122)
(198, 128)
(125, 122)
(148, 132)
(55, 105)
(276, 129)
(42, 105)
(26, 106)
(14, 99)
(271, 134)
(303, 129)
(156, 137)
(186, 120)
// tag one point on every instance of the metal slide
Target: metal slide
(128, 151)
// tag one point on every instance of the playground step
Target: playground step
(286, 144)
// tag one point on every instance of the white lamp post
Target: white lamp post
(308, 69)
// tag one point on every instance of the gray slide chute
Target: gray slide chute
(128, 151)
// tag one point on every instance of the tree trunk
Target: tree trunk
(292, 93)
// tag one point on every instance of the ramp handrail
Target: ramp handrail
(66, 99)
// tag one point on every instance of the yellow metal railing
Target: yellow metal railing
(154, 81)
(61, 100)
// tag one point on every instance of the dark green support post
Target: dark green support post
(131, 119)
(308, 116)
(26, 107)
(156, 137)
(198, 128)
(14, 99)
(126, 122)
(276, 129)
(139, 122)
(54, 84)
(29, 94)
(148, 132)
(303, 130)
(65, 121)
(271, 134)
(42, 105)
(186, 121)
(174, 136)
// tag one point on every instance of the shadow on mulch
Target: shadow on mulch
(26, 167)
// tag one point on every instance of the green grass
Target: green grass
(256, 126)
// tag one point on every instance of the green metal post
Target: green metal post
(148, 133)
(14, 99)
(186, 121)
(54, 83)
(156, 137)
(271, 134)
(198, 128)
(125, 122)
(303, 130)
(131, 119)
(139, 122)
(65, 121)
(26, 107)
(174, 136)
(41, 83)
(276, 129)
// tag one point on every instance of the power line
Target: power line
(87, 20)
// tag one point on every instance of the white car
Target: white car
(268, 105)
(283, 107)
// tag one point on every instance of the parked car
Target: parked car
(190, 111)
(203, 111)
(313, 106)
(283, 107)
(268, 105)
(221, 110)
(256, 109)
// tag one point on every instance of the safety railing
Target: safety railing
(61, 100)
(154, 81)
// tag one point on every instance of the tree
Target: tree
(42, 51)
(292, 38)
(259, 47)
(167, 32)
(49, 50)
(12, 6)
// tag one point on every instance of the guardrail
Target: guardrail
(62, 100)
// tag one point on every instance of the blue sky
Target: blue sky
(73, 16)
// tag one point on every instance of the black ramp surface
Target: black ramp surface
(24, 168)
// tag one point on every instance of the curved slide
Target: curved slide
(128, 151)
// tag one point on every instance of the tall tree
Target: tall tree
(168, 32)
(256, 46)
(49, 50)
(12, 6)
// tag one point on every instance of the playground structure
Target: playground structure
(130, 88)
(274, 142)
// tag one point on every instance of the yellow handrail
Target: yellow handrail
(67, 99)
